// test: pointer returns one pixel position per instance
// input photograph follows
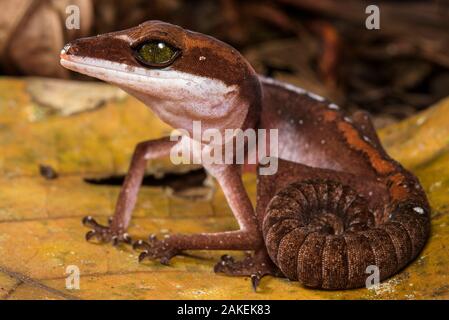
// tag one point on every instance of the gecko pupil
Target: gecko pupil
(156, 54)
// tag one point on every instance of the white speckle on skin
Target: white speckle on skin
(419, 210)
(347, 119)
(366, 139)
(333, 106)
(300, 121)
(370, 193)
(202, 58)
(323, 141)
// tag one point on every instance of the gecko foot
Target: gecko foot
(255, 267)
(155, 249)
(103, 233)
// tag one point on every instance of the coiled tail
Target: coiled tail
(322, 233)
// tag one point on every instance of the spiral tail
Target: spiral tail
(323, 234)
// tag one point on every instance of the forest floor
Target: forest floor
(86, 136)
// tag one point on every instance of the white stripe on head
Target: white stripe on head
(176, 97)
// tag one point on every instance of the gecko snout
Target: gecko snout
(69, 49)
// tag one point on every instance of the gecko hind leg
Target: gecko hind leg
(255, 266)
(175, 244)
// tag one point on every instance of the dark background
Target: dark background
(321, 45)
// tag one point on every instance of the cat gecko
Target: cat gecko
(337, 204)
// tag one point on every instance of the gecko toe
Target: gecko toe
(90, 222)
(104, 233)
(165, 261)
(255, 280)
(90, 234)
(256, 267)
(141, 245)
(156, 249)
(143, 255)
(127, 238)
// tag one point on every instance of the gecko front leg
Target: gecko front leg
(118, 223)
(248, 237)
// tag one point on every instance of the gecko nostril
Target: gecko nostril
(66, 49)
(69, 49)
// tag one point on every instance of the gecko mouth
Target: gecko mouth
(108, 70)
(143, 79)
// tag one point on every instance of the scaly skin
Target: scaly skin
(337, 204)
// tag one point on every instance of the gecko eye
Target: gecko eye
(156, 54)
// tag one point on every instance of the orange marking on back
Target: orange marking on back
(397, 190)
(353, 138)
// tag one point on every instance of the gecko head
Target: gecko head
(182, 75)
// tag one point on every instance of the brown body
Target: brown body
(337, 205)
(343, 204)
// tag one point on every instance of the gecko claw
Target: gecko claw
(90, 222)
(141, 245)
(255, 280)
(127, 238)
(227, 258)
(143, 255)
(90, 234)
